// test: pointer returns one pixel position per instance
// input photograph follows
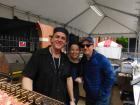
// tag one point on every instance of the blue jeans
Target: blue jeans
(100, 101)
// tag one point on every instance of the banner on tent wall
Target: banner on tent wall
(45, 31)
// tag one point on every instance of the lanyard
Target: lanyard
(54, 62)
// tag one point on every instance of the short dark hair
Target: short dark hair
(73, 43)
(61, 29)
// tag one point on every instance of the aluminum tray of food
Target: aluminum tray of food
(13, 94)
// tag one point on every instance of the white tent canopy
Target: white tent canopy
(120, 16)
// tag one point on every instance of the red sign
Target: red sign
(22, 44)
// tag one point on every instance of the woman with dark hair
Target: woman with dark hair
(74, 52)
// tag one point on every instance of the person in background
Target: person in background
(47, 70)
(74, 51)
(98, 75)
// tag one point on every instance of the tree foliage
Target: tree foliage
(124, 42)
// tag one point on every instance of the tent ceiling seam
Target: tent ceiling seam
(77, 16)
(95, 3)
(116, 34)
(97, 25)
(121, 24)
(124, 12)
(30, 13)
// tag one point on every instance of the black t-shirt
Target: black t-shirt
(46, 79)
(75, 72)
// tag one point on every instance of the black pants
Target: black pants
(90, 102)
(100, 101)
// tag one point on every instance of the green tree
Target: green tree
(124, 42)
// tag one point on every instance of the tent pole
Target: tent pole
(138, 49)
(138, 30)
(128, 50)
(138, 39)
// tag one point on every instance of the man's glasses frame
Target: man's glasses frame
(87, 45)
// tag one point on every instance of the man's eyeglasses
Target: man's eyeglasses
(87, 45)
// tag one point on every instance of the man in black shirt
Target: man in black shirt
(47, 70)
